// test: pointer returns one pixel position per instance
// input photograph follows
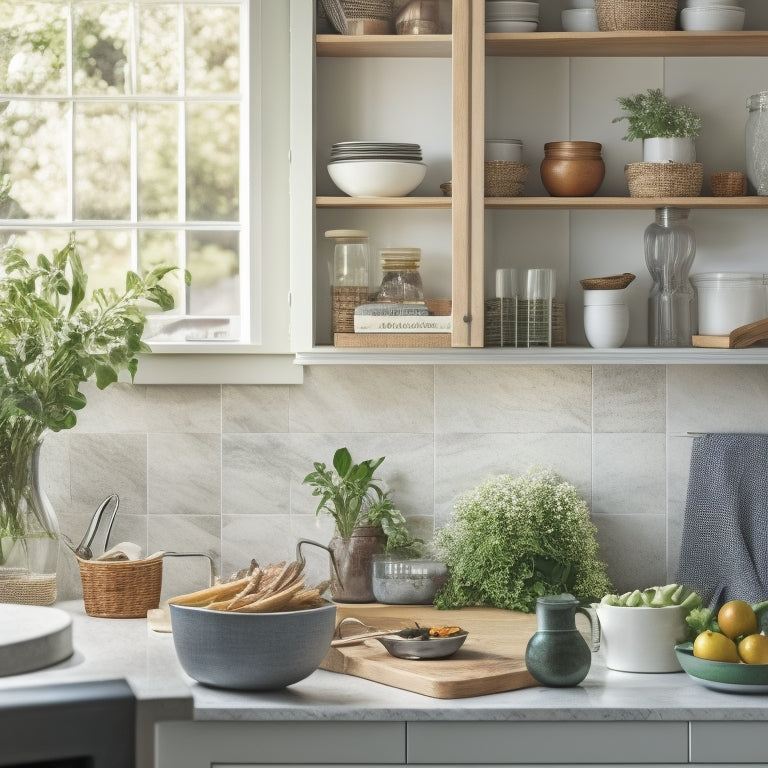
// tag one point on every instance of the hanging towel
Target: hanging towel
(724, 547)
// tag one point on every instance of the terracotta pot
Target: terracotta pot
(354, 563)
(572, 168)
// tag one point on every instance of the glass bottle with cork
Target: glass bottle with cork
(350, 276)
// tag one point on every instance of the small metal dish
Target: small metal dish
(416, 648)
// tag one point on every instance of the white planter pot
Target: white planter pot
(676, 150)
(641, 639)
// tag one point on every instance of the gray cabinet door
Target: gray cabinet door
(570, 743)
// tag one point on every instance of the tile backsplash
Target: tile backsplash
(218, 470)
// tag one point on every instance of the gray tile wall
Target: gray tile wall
(219, 469)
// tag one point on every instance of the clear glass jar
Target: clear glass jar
(350, 276)
(402, 281)
(757, 144)
(670, 247)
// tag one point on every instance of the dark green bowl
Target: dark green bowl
(723, 675)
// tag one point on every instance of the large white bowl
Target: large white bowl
(579, 20)
(710, 3)
(511, 26)
(715, 17)
(377, 178)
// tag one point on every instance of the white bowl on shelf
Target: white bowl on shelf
(579, 20)
(710, 3)
(582, 3)
(718, 18)
(377, 178)
(511, 26)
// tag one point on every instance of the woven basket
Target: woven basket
(125, 589)
(643, 15)
(608, 283)
(506, 323)
(728, 184)
(505, 178)
(664, 179)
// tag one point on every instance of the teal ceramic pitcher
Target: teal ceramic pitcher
(558, 655)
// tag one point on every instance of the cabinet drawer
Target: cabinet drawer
(551, 742)
(729, 742)
(196, 744)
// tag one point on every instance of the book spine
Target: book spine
(383, 324)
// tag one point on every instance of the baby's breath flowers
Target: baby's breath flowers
(513, 539)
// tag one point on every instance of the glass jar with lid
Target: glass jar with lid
(350, 276)
(402, 281)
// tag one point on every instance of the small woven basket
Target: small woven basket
(728, 184)
(505, 178)
(608, 283)
(641, 15)
(664, 179)
(124, 589)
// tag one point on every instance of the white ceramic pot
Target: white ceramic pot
(641, 639)
(606, 318)
(669, 150)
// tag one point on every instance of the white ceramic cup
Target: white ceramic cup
(641, 639)
(606, 318)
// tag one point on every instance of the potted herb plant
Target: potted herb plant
(514, 539)
(367, 522)
(52, 339)
(668, 131)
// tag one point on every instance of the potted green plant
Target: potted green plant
(667, 130)
(367, 523)
(514, 539)
(53, 338)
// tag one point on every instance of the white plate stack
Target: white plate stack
(511, 16)
(715, 15)
(344, 151)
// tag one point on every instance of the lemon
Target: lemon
(715, 647)
(736, 618)
(753, 649)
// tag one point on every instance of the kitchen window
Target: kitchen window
(138, 125)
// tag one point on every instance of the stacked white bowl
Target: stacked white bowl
(376, 169)
(511, 16)
(580, 17)
(713, 15)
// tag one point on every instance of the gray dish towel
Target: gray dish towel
(724, 547)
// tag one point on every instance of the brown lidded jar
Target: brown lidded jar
(572, 168)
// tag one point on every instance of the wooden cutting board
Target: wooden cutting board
(491, 660)
(752, 334)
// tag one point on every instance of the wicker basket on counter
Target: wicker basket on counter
(636, 15)
(664, 179)
(123, 589)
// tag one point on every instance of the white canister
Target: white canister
(641, 639)
(507, 150)
(606, 318)
(728, 300)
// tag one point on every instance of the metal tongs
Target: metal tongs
(83, 549)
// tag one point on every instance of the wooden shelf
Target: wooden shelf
(406, 46)
(754, 203)
(624, 44)
(567, 44)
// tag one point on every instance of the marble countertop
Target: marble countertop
(127, 648)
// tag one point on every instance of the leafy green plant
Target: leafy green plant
(351, 495)
(651, 114)
(52, 341)
(511, 540)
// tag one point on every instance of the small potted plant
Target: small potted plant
(668, 131)
(367, 522)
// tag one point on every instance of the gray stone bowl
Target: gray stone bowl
(251, 651)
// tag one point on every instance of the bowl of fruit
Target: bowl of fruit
(730, 652)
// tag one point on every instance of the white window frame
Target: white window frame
(265, 273)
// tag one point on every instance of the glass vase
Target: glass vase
(29, 530)
(670, 247)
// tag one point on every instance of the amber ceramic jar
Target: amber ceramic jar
(572, 168)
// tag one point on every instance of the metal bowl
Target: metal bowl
(251, 651)
(416, 648)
